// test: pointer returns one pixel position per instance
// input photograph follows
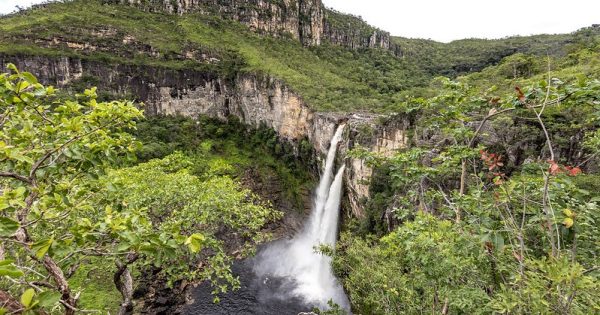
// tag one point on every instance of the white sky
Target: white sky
(7, 6)
(446, 20)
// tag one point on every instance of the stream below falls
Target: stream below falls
(287, 276)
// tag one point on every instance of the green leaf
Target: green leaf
(498, 241)
(8, 227)
(8, 269)
(29, 77)
(27, 297)
(42, 247)
(12, 67)
(6, 262)
(20, 191)
(195, 242)
(48, 299)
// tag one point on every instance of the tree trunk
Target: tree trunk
(124, 283)
(67, 299)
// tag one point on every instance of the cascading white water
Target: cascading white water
(296, 259)
(320, 199)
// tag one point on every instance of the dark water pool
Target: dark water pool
(265, 296)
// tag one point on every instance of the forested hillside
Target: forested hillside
(329, 77)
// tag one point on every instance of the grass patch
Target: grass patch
(98, 292)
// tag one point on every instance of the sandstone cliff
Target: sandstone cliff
(305, 20)
(300, 19)
(256, 100)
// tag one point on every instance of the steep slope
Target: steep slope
(342, 64)
(329, 79)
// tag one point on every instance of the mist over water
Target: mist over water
(310, 273)
(287, 276)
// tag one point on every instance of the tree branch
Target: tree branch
(37, 164)
(124, 283)
(16, 176)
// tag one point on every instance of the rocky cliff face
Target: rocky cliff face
(354, 39)
(352, 32)
(305, 20)
(300, 19)
(255, 100)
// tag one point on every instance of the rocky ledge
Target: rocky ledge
(255, 100)
(305, 20)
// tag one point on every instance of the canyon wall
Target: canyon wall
(254, 99)
(300, 19)
(352, 32)
(305, 20)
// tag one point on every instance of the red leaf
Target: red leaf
(554, 168)
(574, 171)
(520, 94)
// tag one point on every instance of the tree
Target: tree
(65, 198)
(48, 148)
(159, 215)
(530, 229)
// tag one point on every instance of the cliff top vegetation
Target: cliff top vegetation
(329, 77)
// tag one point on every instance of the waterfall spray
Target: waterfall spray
(296, 259)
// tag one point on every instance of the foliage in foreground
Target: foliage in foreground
(61, 203)
(484, 226)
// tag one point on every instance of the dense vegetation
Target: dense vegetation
(229, 148)
(473, 55)
(490, 210)
(494, 208)
(70, 193)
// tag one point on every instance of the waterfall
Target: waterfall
(295, 259)
(320, 198)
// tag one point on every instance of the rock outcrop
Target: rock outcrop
(352, 32)
(300, 19)
(305, 20)
(255, 100)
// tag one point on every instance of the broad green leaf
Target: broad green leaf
(48, 298)
(10, 270)
(42, 247)
(12, 67)
(27, 297)
(6, 262)
(195, 242)
(29, 77)
(8, 227)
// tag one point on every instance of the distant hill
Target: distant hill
(335, 62)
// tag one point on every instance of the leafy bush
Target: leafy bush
(61, 203)
(426, 264)
(523, 227)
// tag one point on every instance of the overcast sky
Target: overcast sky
(446, 20)
(7, 6)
